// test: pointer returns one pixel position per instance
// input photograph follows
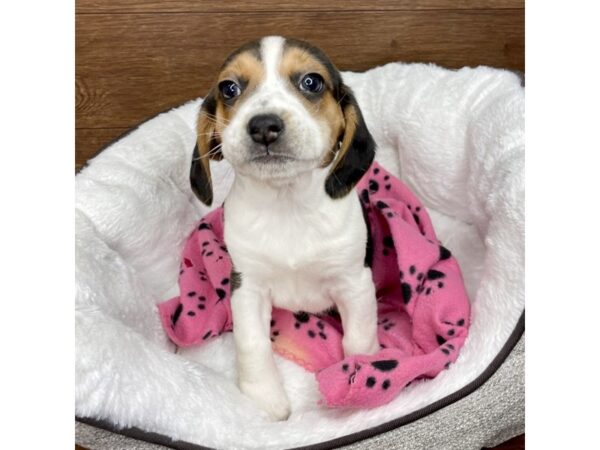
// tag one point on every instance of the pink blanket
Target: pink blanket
(423, 308)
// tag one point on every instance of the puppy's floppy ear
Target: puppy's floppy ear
(357, 148)
(207, 147)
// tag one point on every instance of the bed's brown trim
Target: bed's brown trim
(160, 439)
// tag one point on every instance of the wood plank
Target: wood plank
(88, 141)
(124, 6)
(130, 66)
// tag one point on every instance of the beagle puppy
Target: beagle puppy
(293, 224)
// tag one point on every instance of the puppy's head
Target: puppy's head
(279, 108)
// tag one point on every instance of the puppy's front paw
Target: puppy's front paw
(270, 397)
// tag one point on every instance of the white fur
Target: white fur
(457, 137)
(304, 138)
(294, 246)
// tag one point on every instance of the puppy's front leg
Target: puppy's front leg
(258, 377)
(357, 305)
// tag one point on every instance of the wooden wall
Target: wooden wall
(135, 58)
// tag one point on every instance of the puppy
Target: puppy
(294, 225)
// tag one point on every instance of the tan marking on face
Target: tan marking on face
(297, 60)
(326, 109)
(244, 66)
(351, 121)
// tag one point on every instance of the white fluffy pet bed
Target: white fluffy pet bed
(455, 137)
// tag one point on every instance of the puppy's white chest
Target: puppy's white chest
(295, 258)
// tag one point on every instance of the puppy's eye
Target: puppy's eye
(229, 89)
(313, 83)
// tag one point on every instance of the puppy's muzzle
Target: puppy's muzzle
(265, 128)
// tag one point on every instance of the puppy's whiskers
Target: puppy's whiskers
(213, 151)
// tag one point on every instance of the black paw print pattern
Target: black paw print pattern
(314, 327)
(274, 330)
(422, 282)
(386, 323)
(376, 374)
(214, 248)
(449, 332)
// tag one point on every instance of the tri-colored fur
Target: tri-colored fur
(422, 308)
(280, 114)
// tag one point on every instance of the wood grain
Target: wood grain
(130, 66)
(125, 6)
(89, 140)
(135, 58)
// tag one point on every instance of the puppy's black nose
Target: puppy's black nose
(265, 128)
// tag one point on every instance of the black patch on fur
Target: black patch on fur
(371, 382)
(225, 281)
(204, 226)
(450, 332)
(445, 351)
(435, 274)
(381, 205)
(345, 367)
(385, 365)
(357, 160)
(236, 280)
(440, 339)
(461, 322)
(207, 335)
(311, 333)
(221, 293)
(386, 384)
(191, 313)
(359, 156)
